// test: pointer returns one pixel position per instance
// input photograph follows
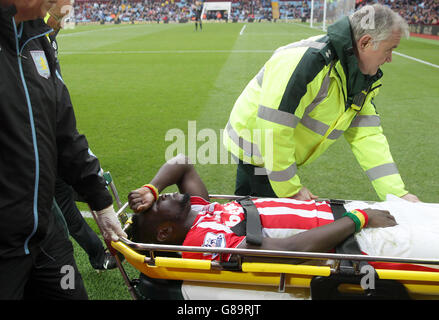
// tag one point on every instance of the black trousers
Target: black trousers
(250, 184)
(78, 227)
(50, 272)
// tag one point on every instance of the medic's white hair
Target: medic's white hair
(378, 21)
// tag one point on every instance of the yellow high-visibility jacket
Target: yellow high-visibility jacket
(308, 94)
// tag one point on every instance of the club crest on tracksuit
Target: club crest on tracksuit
(41, 63)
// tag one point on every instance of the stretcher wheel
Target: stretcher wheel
(158, 289)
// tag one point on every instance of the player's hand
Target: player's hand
(304, 194)
(110, 224)
(140, 199)
(380, 218)
(410, 197)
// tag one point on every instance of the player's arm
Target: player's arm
(181, 172)
(324, 238)
(177, 171)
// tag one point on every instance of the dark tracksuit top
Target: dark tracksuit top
(38, 138)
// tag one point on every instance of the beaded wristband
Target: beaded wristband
(359, 217)
(153, 189)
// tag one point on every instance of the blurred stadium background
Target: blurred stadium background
(138, 71)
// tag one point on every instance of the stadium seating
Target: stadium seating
(426, 12)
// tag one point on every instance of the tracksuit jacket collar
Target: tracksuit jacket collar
(340, 35)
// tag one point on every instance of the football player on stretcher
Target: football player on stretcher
(395, 227)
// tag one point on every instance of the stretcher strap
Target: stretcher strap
(251, 226)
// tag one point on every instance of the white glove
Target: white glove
(110, 225)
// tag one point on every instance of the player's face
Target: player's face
(169, 207)
(172, 206)
(370, 59)
(32, 9)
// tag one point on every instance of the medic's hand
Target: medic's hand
(140, 199)
(304, 194)
(110, 225)
(410, 197)
(379, 218)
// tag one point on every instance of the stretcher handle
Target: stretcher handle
(263, 267)
(275, 253)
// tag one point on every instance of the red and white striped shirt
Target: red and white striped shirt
(280, 218)
(283, 217)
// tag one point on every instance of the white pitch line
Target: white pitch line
(162, 52)
(79, 33)
(242, 30)
(416, 59)
(198, 51)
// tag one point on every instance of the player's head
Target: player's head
(164, 222)
(377, 30)
(29, 9)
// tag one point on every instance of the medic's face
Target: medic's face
(370, 58)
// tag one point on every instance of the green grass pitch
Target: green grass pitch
(131, 84)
